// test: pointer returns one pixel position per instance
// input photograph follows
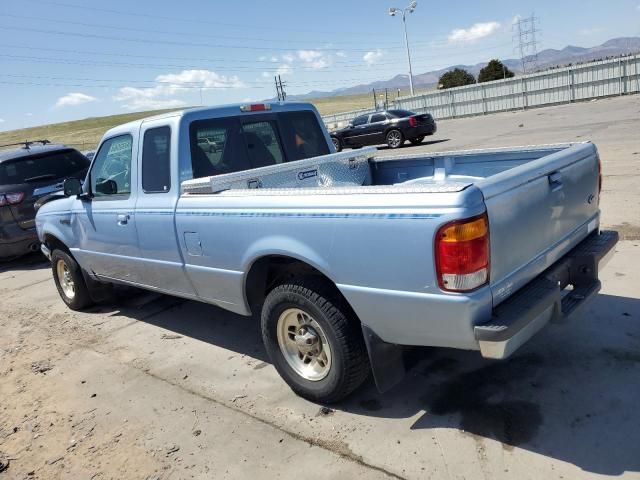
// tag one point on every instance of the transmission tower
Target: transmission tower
(282, 94)
(525, 30)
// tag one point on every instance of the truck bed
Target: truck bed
(549, 190)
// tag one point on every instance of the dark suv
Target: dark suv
(27, 174)
(392, 127)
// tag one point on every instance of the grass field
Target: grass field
(85, 134)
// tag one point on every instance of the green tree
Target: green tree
(456, 78)
(495, 70)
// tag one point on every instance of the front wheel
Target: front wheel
(69, 281)
(337, 144)
(417, 140)
(313, 340)
(395, 138)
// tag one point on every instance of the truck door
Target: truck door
(105, 223)
(159, 260)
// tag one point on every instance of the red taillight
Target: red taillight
(255, 107)
(11, 198)
(462, 254)
(413, 121)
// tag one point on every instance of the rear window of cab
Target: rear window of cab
(233, 144)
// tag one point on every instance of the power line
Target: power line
(347, 64)
(243, 27)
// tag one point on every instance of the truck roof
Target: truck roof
(196, 113)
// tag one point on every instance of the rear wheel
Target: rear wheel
(417, 140)
(69, 281)
(395, 138)
(313, 340)
(337, 144)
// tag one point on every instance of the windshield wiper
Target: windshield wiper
(46, 176)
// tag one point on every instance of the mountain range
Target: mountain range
(546, 59)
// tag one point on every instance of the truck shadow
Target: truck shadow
(31, 261)
(570, 394)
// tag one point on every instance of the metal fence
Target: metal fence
(605, 78)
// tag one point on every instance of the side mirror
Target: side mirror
(72, 186)
(107, 187)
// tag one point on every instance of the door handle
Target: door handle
(123, 218)
(555, 181)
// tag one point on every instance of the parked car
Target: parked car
(208, 145)
(346, 257)
(392, 127)
(27, 174)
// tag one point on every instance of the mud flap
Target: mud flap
(387, 360)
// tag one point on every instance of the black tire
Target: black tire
(337, 143)
(394, 138)
(417, 140)
(349, 366)
(81, 298)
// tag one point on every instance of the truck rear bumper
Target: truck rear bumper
(555, 295)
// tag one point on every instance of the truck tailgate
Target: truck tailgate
(537, 212)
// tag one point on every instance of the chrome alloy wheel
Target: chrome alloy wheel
(65, 279)
(394, 138)
(304, 344)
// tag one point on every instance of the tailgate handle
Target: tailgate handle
(555, 180)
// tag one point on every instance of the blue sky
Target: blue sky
(68, 59)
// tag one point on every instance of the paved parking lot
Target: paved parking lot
(150, 386)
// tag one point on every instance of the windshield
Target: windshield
(51, 166)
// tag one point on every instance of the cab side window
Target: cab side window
(156, 167)
(111, 170)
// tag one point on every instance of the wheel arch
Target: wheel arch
(266, 271)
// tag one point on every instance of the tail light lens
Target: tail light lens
(462, 254)
(11, 198)
(413, 121)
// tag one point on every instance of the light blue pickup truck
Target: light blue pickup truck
(346, 257)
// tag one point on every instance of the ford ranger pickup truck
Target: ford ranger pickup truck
(346, 257)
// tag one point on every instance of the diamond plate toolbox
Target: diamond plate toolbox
(336, 169)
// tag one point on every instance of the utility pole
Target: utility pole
(282, 91)
(375, 102)
(282, 95)
(525, 30)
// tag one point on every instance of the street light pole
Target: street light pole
(392, 11)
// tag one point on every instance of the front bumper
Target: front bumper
(547, 298)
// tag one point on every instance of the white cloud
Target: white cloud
(373, 56)
(74, 99)
(29, 114)
(282, 70)
(474, 32)
(287, 57)
(315, 59)
(1, 120)
(172, 85)
(341, 54)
